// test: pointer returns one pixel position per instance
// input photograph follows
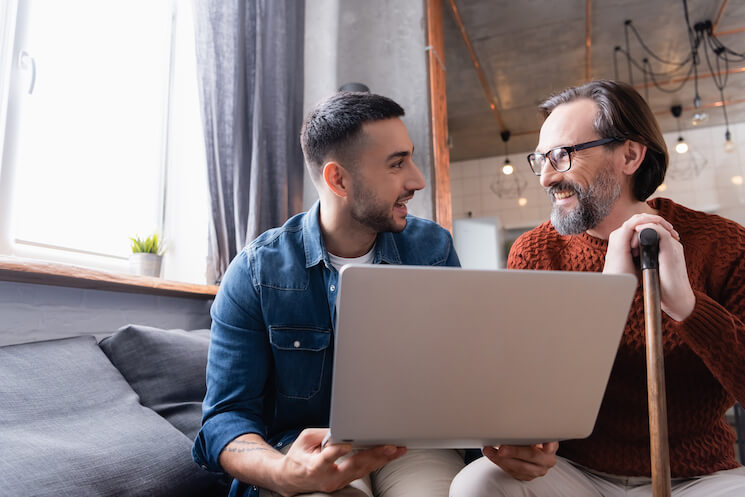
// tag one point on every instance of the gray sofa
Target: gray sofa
(115, 418)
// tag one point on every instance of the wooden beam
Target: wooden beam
(588, 38)
(719, 16)
(439, 113)
(712, 105)
(732, 31)
(482, 78)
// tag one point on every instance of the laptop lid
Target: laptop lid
(448, 357)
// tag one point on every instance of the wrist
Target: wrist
(281, 475)
(684, 310)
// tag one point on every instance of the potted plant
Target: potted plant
(147, 255)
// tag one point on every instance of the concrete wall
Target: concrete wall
(30, 312)
(380, 44)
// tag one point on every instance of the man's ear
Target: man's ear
(336, 178)
(633, 156)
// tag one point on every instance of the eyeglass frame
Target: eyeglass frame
(570, 149)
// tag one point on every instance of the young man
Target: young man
(271, 350)
(600, 156)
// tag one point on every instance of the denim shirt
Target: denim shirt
(271, 346)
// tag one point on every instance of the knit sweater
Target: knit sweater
(704, 354)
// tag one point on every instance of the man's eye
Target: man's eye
(398, 164)
(559, 154)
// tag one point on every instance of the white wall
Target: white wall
(711, 191)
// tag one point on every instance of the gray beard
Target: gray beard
(593, 204)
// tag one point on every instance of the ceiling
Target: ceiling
(530, 49)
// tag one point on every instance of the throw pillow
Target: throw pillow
(70, 425)
(166, 368)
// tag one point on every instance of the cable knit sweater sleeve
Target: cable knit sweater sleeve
(715, 331)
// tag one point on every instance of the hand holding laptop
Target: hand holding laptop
(524, 462)
(309, 466)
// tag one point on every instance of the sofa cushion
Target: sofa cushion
(72, 426)
(166, 368)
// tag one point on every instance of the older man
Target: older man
(600, 156)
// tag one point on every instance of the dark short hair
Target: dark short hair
(623, 113)
(333, 129)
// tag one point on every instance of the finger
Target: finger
(522, 470)
(331, 452)
(666, 228)
(551, 447)
(646, 219)
(665, 236)
(491, 453)
(525, 452)
(529, 454)
(362, 463)
(312, 436)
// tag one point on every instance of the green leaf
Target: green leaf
(150, 245)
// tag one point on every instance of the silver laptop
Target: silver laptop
(446, 357)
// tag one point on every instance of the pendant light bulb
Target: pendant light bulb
(507, 169)
(699, 118)
(729, 145)
(681, 147)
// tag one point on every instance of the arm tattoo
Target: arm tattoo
(248, 446)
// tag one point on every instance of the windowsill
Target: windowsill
(50, 273)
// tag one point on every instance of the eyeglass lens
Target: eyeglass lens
(559, 158)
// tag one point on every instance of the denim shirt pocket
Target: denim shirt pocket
(300, 355)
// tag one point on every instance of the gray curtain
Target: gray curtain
(250, 65)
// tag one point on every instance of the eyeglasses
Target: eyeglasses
(560, 158)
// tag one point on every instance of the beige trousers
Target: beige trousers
(483, 478)
(419, 473)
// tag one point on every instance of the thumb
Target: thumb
(550, 447)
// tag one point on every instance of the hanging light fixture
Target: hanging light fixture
(729, 145)
(701, 38)
(507, 168)
(686, 164)
(507, 182)
(681, 147)
(699, 115)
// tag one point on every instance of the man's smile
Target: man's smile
(400, 205)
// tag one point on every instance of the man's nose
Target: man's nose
(416, 180)
(549, 176)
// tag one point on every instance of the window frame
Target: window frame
(14, 20)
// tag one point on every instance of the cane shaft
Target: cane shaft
(656, 395)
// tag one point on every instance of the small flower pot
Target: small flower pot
(144, 264)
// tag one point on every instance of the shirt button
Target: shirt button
(204, 466)
(296, 344)
(332, 288)
(279, 444)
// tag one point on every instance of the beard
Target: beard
(593, 203)
(370, 211)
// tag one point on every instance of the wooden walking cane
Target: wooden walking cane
(656, 397)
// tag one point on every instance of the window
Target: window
(93, 96)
